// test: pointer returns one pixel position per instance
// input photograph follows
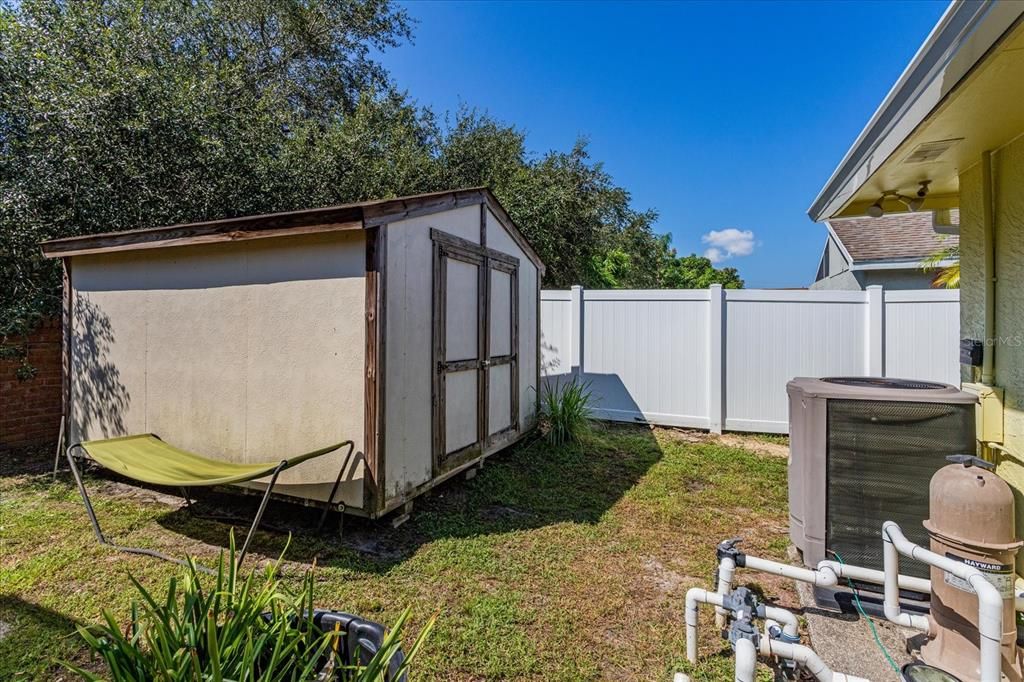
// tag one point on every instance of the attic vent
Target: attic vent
(930, 151)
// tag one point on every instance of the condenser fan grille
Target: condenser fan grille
(881, 457)
(878, 382)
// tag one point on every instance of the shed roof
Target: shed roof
(355, 216)
(899, 236)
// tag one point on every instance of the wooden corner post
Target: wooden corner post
(373, 407)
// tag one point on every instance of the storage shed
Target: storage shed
(407, 325)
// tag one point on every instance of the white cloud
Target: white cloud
(727, 243)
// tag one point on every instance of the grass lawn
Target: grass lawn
(553, 563)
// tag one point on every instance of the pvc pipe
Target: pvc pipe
(726, 571)
(806, 656)
(828, 573)
(873, 576)
(806, 575)
(990, 602)
(787, 619)
(891, 592)
(694, 597)
(906, 582)
(803, 655)
(746, 660)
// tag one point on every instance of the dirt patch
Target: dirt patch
(695, 485)
(753, 444)
(750, 442)
(688, 435)
(664, 579)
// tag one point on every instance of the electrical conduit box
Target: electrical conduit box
(989, 413)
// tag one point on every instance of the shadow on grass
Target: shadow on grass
(528, 486)
(26, 461)
(33, 638)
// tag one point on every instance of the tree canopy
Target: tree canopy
(118, 114)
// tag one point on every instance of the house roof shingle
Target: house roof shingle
(899, 236)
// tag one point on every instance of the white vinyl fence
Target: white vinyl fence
(720, 359)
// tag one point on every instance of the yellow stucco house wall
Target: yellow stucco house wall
(1007, 342)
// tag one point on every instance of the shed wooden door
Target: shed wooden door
(501, 377)
(475, 350)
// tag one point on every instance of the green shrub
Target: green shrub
(238, 630)
(567, 408)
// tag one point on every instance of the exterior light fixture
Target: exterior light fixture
(913, 204)
(876, 210)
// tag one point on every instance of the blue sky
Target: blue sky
(722, 116)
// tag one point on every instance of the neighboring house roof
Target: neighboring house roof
(897, 237)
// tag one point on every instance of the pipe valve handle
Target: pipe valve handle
(728, 548)
(970, 461)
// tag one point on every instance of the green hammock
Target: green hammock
(146, 458)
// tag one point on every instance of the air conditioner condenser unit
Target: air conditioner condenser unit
(862, 451)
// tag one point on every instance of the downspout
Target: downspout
(989, 245)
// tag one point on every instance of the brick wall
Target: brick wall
(30, 408)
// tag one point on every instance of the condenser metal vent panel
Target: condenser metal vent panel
(884, 382)
(880, 458)
(862, 451)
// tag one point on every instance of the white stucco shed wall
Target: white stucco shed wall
(408, 338)
(498, 238)
(247, 351)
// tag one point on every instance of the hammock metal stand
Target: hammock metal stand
(274, 471)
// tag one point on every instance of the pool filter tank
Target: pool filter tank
(971, 520)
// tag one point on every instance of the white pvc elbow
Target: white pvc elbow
(990, 602)
(806, 656)
(787, 619)
(696, 596)
(891, 589)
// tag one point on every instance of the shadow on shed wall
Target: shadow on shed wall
(99, 399)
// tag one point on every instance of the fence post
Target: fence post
(875, 341)
(716, 351)
(576, 330)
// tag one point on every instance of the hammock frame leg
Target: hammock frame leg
(259, 512)
(98, 531)
(330, 498)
